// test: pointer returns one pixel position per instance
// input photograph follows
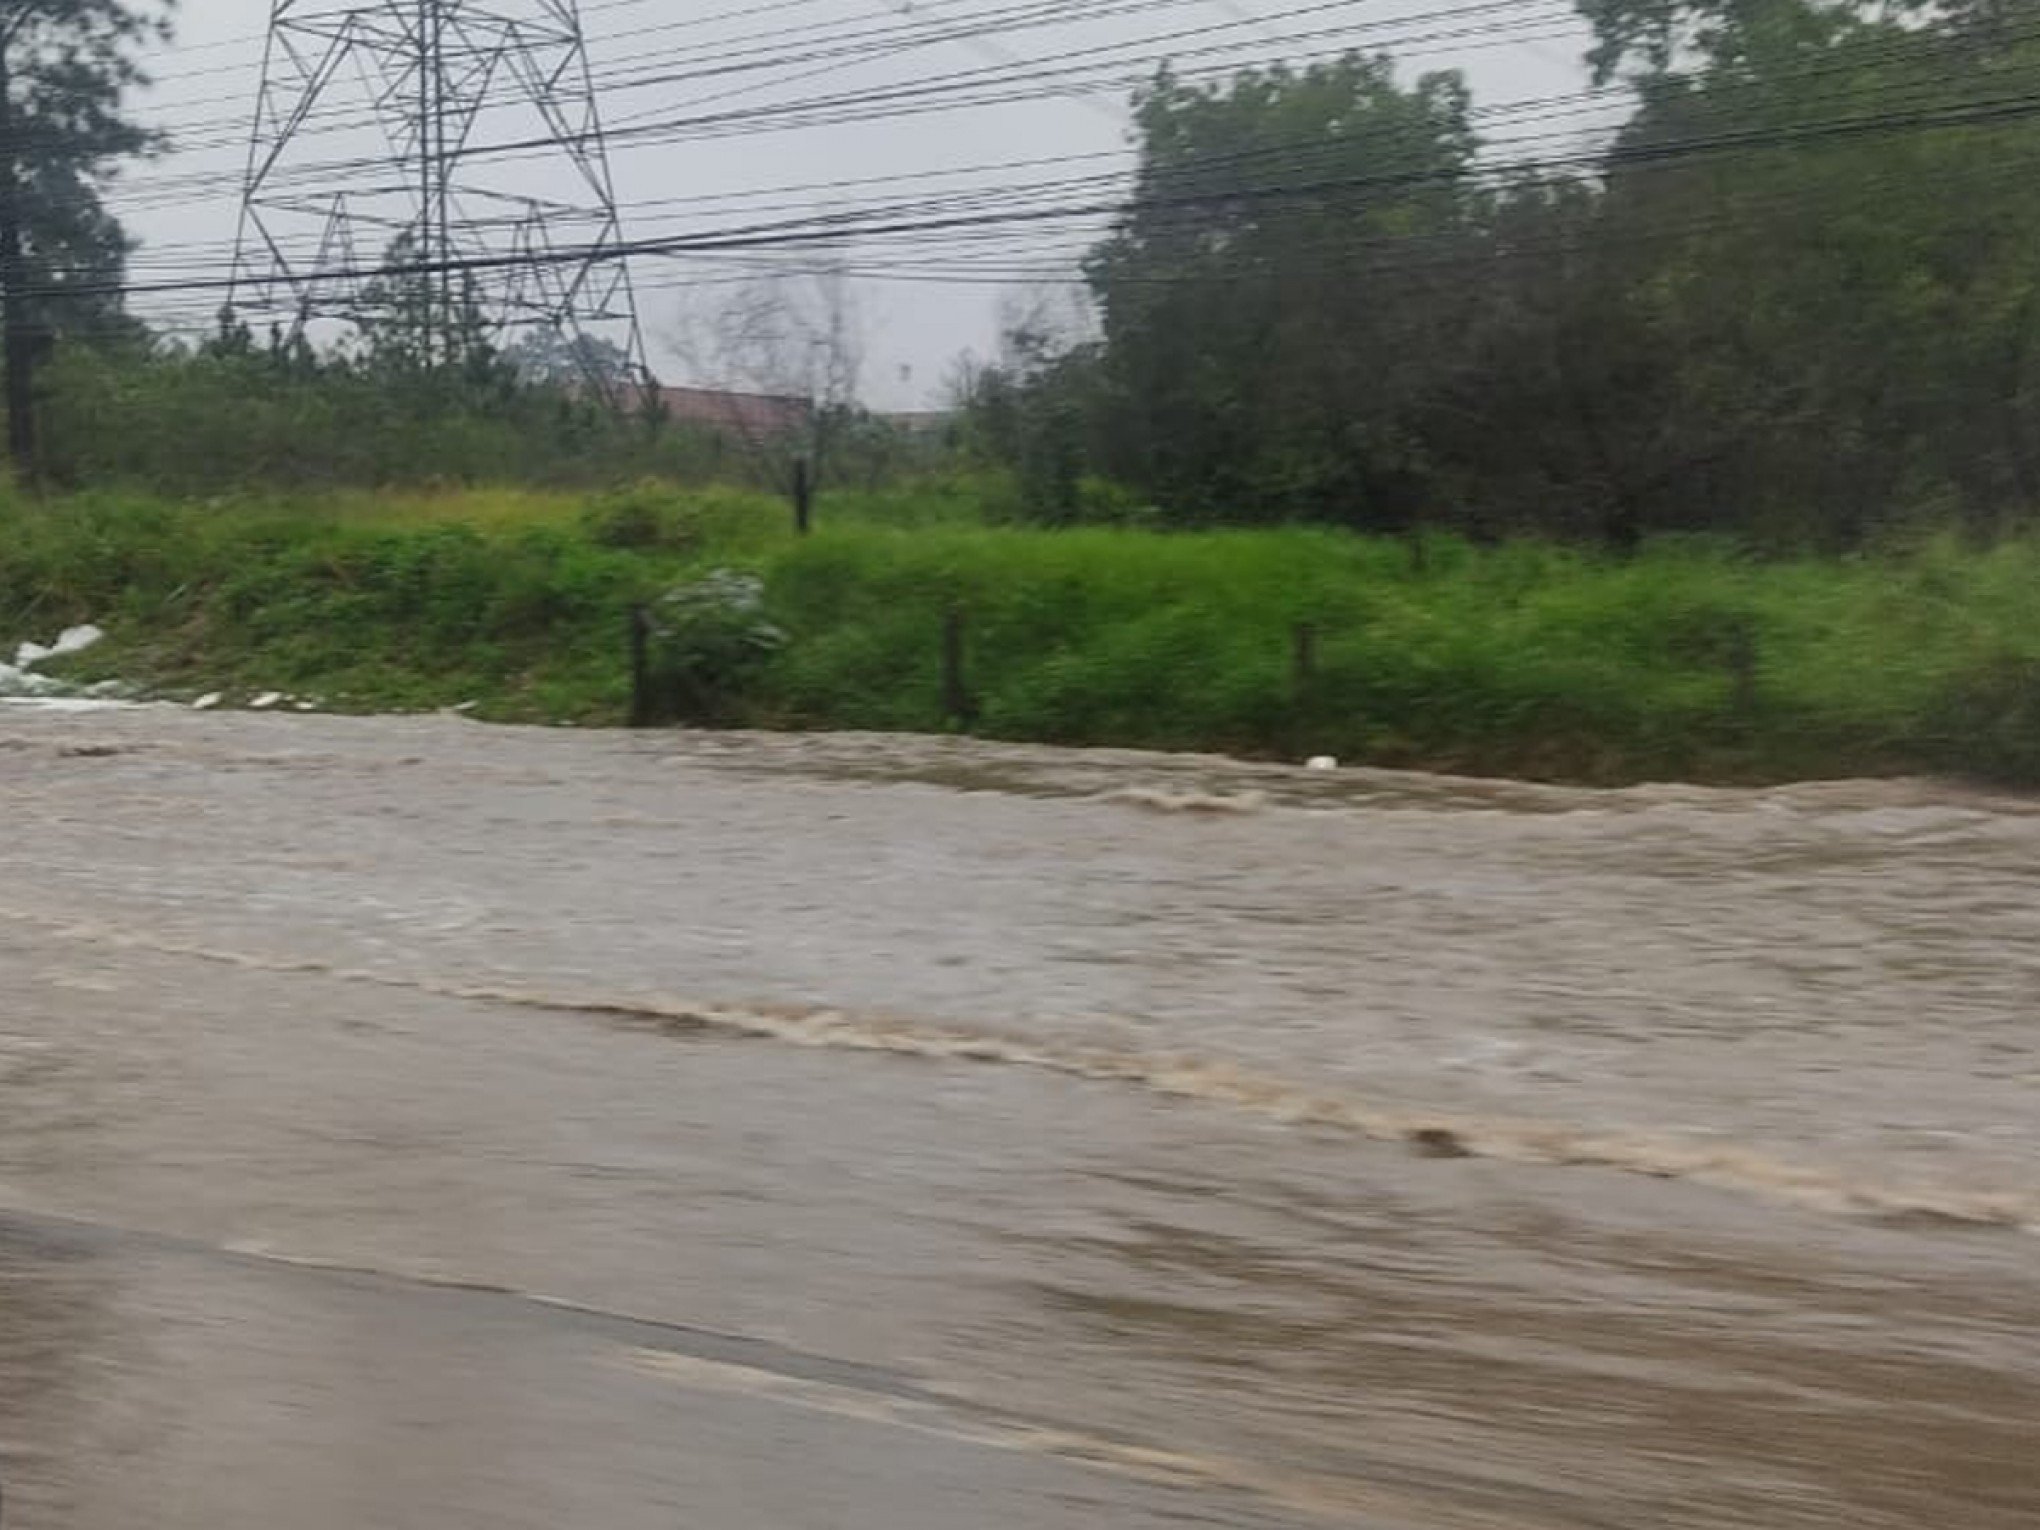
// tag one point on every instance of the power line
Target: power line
(1008, 192)
(639, 78)
(1460, 12)
(1448, 249)
(973, 213)
(808, 232)
(767, 51)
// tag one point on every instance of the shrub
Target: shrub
(646, 515)
(709, 638)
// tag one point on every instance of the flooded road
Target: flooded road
(410, 1123)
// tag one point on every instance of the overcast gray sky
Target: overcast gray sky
(920, 303)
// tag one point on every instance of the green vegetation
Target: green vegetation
(238, 417)
(1792, 300)
(1529, 658)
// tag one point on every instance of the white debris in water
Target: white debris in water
(207, 702)
(266, 700)
(304, 706)
(19, 679)
(1320, 762)
(70, 640)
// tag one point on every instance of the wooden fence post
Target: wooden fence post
(956, 700)
(1742, 669)
(640, 669)
(803, 497)
(1303, 655)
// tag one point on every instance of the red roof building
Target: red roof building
(745, 414)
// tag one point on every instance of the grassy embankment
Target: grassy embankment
(1526, 659)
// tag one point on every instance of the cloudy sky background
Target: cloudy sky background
(703, 99)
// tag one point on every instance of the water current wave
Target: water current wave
(1747, 1168)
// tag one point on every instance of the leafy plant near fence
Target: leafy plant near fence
(708, 641)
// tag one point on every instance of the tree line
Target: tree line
(1793, 298)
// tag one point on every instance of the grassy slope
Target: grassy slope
(1527, 659)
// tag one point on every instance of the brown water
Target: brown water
(409, 1122)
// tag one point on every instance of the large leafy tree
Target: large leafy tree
(66, 67)
(1797, 299)
(1835, 222)
(69, 67)
(1265, 327)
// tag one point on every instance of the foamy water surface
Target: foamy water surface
(1356, 1097)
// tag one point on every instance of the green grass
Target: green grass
(1529, 659)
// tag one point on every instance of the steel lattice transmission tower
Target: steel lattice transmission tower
(457, 141)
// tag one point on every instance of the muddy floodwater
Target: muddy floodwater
(410, 1123)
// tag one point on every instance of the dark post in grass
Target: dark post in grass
(1742, 669)
(1302, 655)
(640, 668)
(957, 705)
(803, 497)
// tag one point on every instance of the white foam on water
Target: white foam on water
(19, 680)
(52, 702)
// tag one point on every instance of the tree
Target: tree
(544, 357)
(1035, 406)
(1847, 304)
(794, 342)
(1657, 37)
(416, 325)
(1266, 330)
(1797, 301)
(65, 69)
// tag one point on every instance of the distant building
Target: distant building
(924, 423)
(755, 415)
(764, 416)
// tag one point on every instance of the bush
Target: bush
(645, 516)
(1988, 723)
(709, 639)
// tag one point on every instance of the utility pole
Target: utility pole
(428, 222)
(492, 174)
(20, 335)
(440, 337)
